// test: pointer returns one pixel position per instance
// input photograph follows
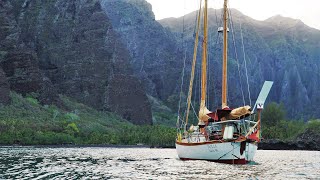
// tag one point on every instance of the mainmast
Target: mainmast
(204, 59)
(225, 54)
(196, 42)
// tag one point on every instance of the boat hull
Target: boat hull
(225, 152)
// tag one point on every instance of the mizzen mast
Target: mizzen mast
(225, 55)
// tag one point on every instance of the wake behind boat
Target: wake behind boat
(224, 135)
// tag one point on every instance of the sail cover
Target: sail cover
(203, 114)
(240, 112)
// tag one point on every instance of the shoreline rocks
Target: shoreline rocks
(309, 140)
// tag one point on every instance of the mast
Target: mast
(204, 58)
(225, 54)
(195, 50)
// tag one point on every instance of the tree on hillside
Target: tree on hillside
(273, 114)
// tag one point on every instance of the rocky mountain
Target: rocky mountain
(109, 54)
(68, 47)
(280, 49)
(156, 57)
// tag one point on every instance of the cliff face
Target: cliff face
(70, 48)
(4, 88)
(280, 49)
(19, 63)
(156, 57)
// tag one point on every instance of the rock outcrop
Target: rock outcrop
(19, 61)
(156, 57)
(67, 47)
(130, 101)
(309, 140)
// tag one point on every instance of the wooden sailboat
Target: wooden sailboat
(224, 135)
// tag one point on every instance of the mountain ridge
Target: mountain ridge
(84, 49)
(275, 51)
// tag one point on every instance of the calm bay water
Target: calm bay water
(145, 163)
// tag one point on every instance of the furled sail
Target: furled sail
(240, 112)
(203, 114)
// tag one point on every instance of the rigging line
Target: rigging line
(199, 83)
(197, 90)
(212, 47)
(184, 115)
(195, 112)
(221, 18)
(195, 87)
(208, 68)
(245, 62)
(210, 72)
(194, 60)
(236, 55)
(215, 12)
(183, 123)
(199, 79)
(218, 42)
(184, 66)
(196, 70)
(196, 19)
(215, 46)
(228, 152)
(181, 87)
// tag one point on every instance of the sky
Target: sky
(306, 10)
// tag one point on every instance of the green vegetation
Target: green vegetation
(27, 122)
(162, 114)
(167, 119)
(314, 125)
(165, 113)
(276, 126)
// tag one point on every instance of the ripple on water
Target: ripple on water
(133, 163)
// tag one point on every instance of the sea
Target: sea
(148, 163)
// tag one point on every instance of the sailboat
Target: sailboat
(225, 135)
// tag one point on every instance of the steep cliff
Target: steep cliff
(280, 49)
(4, 89)
(156, 57)
(68, 47)
(18, 61)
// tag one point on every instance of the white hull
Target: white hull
(228, 152)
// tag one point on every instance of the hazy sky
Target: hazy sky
(306, 10)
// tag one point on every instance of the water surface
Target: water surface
(145, 163)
